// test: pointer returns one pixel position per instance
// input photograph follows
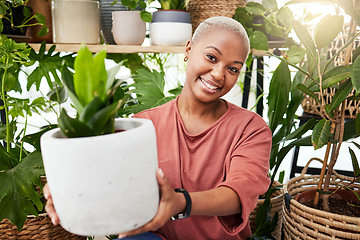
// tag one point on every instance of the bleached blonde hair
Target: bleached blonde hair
(224, 23)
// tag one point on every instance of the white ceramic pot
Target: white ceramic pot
(76, 21)
(170, 27)
(105, 184)
(128, 28)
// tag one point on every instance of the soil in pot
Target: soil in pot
(342, 202)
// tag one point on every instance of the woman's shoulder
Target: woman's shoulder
(244, 114)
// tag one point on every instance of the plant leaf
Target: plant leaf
(34, 139)
(278, 98)
(295, 54)
(258, 40)
(72, 127)
(355, 162)
(307, 91)
(341, 94)
(355, 74)
(302, 129)
(18, 196)
(305, 38)
(327, 29)
(321, 133)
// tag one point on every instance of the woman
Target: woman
(216, 153)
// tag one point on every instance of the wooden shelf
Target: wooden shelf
(112, 48)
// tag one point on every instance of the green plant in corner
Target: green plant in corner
(319, 73)
(20, 169)
(173, 4)
(18, 16)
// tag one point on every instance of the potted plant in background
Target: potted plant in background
(126, 193)
(21, 200)
(16, 17)
(131, 22)
(317, 74)
(171, 24)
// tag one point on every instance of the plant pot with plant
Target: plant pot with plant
(171, 24)
(121, 152)
(16, 17)
(318, 73)
(132, 22)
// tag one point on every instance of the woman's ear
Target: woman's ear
(187, 49)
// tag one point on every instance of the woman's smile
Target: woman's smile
(209, 85)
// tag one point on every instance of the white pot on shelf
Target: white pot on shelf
(105, 184)
(76, 21)
(170, 27)
(128, 28)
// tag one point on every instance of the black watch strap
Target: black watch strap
(185, 214)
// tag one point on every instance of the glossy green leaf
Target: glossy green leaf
(278, 98)
(295, 54)
(355, 162)
(357, 124)
(331, 77)
(341, 94)
(258, 40)
(72, 127)
(111, 73)
(34, 139)
(255, 8)
(321, 133)
(355, 75)
(348, 6)
(270, 5)
(356, 53)
(302, 129)
(327, 29)
(285, 17)
(90, 75)
(307, 91)
(146, 16)
(305, 38)
(18, 196)
(90, 109)
(99, 121)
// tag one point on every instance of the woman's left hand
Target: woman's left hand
(171, 203)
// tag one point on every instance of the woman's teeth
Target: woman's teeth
(208, 85)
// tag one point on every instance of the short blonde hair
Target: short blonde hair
(221, 22)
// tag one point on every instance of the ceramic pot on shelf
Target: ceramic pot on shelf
(106, 184)
(76, 21)
(106, 10)
(128, 28)
(170, 27)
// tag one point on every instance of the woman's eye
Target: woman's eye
(211, 57)
(234, 70)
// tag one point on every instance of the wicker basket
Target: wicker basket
(200, 10)
(352, 107)
(302, 222)
(36, 228)
(276, 202)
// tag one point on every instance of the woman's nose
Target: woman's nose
(218, 72)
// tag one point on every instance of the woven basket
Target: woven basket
(352, 107)
(200, 10)
(302, 222)
(36, 228)
(276, 202)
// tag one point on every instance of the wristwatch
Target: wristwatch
(185, 214)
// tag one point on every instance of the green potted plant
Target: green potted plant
(133, 22)
(16, 16)
(121, 151)
(318, 73)
(171, 24)
(21, 168)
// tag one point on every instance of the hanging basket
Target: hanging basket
(352, 108)
(200, 10)
(302, 222)
(276, 202)
(36, 228)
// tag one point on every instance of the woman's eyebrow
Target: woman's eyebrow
(221, 54)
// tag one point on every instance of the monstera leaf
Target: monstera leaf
(18, 196)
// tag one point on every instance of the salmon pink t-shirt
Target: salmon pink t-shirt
(233, 152)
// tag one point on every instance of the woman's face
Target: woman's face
(214, 64)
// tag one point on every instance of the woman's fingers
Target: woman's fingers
(49, 207)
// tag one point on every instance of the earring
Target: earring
(185, 59)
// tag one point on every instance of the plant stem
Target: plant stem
(323, 171)
(22, 143)
(6, 108)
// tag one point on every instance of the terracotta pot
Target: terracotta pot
(340, 194)
(43, 7)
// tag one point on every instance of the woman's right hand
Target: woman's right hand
(49, 207)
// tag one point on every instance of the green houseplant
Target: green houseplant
(316, 74)
(21, 167)
(17, 17)
(126, 158)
